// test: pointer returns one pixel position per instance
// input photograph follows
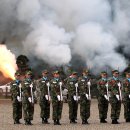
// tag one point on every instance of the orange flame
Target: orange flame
(7, 62)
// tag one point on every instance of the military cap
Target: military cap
(85, 71)
(56, 72)
(17, 73)
(45, 71)
(103, 72)
(115, 71)
(74, 73)
(127, 73)
(29, 72)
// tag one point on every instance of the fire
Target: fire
(7, 62)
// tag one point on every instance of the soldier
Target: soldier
(28, 89)
(85, 96)
(126, 99)
(115, 96)
(16, 98)
(72, 86)
(44, 102)
(103, 97)
(57, 97)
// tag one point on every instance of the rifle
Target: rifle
(48, 88)
(89, 90)
(61, 94)
(119, 87)
(20, 86)
(32, 93)
(76, 86)
(107, 91)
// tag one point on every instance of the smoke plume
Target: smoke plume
(56, 30)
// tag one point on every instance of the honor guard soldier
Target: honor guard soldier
(57, 97)
(103, 97)
(85, 96)
(16, 96)
(28, 89)
(126, 98)
(72, 87)
(115, 96)
(44, 86)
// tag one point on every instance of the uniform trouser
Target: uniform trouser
(84, 109)
(73, 108)
(127, 109)
(28, 109)
(45, 108)
(102, 107)
(115, 108)
(57, 109)
(17, 110)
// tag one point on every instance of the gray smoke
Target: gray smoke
(56, 30)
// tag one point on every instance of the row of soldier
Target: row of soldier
(109, 91)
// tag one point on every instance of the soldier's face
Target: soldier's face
(128, 76)
(74, 75)
(56, 75)
(44, 74)
(116, 74)
(29, 76)
(17, 77)
(104, 75)
(85, 74)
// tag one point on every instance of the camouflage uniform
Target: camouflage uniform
(102, 100)
(44, 103)
(114, 100)
(126, 99)
(73, 104)
(56, 104)
(17, 105)
(84, 101)
(28, 106)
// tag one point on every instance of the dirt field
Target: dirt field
(6, 122)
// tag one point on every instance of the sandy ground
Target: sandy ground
(6, 121)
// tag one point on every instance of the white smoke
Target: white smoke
(53, 30)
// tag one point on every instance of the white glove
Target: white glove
(76, 85)
(46, 96)
(129, 96)
(75, 98)
(58, 97)
(19, 99)
(106, 97)
(117, 96)
(20, 86)
(29, 99)
(119, 84)
(89, 83)
(60, 83)
(106, 84)
(31, 86)
(86, 96)
(48, 84)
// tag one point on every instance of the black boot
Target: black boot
(84, 121)
(115, 121)
(30, 122)
(55, 122)
(102, 120)
(26, 122)
(16, 122)
(46, 121)
(127, 120)
(58, 122)
(43, 120)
